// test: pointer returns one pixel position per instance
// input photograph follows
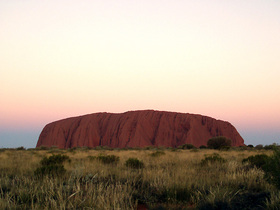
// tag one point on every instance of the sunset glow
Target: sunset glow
(67, 58)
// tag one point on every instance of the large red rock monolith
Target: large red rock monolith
(136, 129)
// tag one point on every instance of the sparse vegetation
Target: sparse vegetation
(178, 179)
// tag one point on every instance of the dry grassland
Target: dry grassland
(171, 179)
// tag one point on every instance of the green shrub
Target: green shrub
(51, 170)
(134, 163)
(54, 160)
(108, 159)
(212, 159)
(21, 148)
(219, 142)
(250, 146)
(157, 154)
(257, 160)
(202, 147)
(52, 166)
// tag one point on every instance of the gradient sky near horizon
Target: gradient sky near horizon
(65, 58)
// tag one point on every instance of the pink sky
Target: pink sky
(66, 58)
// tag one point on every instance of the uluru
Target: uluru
(136, 129)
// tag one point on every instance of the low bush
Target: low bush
(202, 147)
(52, 166)
(219, 142)
(54, 160)
(212, 159)
(108, 159)
(51, 170)
(257, 160)
(187, 146)
(259, 146)
(134, 163)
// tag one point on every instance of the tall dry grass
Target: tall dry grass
(172, 179)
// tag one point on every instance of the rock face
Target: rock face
(136, 129)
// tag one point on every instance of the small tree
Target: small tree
(219, 142)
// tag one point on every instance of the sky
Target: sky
(64, 58)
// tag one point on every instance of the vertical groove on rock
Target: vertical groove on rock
(156, 129)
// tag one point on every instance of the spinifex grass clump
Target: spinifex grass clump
(134, 163)
(108, 159)
(52, 166)
(212, 159)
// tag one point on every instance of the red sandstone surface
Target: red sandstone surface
(136, 129)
